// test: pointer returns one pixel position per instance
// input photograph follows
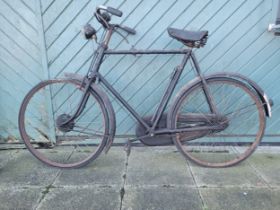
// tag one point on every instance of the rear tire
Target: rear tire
(242, 108)
(70, 146)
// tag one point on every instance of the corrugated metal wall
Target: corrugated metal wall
(42, 39)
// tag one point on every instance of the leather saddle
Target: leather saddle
(195, 39)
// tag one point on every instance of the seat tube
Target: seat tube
(205, 87)
(170, 89)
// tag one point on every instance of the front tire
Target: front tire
(69, 146)
(234, 100)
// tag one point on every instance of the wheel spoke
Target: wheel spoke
(240, 111)
(74, 144)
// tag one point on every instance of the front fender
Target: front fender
(107, 103)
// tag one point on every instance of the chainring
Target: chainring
(158, 140)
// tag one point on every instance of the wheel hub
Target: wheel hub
(60, 123)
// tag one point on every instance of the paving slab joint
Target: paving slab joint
(259, 174)
(127, 149)
(204, 207)
(48, 189)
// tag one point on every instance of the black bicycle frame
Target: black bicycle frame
(167, 95)
(95, 76)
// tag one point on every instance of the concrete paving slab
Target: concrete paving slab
(268, 165)
(267, 149)
(241, 199)
(19, 198)
(157, 166)
(6, 156)
(161, 198)
(24, 169)
(81, 198)
(106, 170)
(239, 175)
(156, 178)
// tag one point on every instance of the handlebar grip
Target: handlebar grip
(114, 11)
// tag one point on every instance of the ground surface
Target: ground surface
(148, 178)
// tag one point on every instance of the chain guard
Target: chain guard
(166, 139)
(158, 140)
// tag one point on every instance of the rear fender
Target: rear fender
(108, 106)
(263, 97)
(268, 103)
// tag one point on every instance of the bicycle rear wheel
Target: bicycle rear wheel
(240, 108)
(41, 117)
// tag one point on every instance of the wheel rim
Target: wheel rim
(238, 140)
(57, 100)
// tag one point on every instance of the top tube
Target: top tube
(136, 52)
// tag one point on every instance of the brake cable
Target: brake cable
(119, 33)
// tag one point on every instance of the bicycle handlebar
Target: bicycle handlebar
(104, 18)
(111, 10)
(114, 11)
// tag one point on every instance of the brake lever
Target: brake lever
(132, 46)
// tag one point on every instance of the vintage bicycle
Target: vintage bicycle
(216, 120)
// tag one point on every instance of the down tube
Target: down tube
(123, 101)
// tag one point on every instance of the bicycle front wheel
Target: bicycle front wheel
(237, 105)
(41, 117)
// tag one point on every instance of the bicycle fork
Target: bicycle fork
(81, 106)
(90, 78)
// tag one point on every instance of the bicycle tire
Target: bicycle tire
(225, 148)
(68, 148)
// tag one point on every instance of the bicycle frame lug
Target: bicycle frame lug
(133, 49)
(180, 67)
(96, 80)
(93, 76)
(94, 37)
